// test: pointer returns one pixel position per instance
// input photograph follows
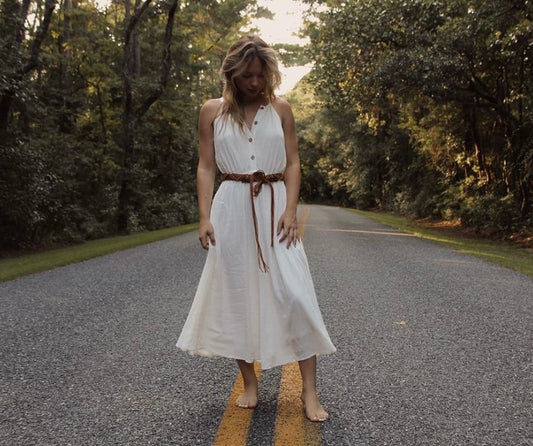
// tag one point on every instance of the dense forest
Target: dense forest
(98, 112)
(423, 107)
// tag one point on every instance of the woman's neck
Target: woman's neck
(245, 102)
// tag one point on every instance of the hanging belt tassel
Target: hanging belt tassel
(256, 180)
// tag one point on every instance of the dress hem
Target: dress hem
(209, 354)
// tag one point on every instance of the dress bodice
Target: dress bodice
(261, 147)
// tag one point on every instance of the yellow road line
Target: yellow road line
(292, 428)
(233, 428)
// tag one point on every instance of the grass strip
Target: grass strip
(12, 268)
(502, 253)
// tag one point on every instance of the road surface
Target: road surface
(434, 347)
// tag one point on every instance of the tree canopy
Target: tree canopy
(98, 110)
(423, 107)
(428, 105)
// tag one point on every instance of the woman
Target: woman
(255, 299)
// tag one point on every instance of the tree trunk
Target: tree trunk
(5, 111)
(475, 142)
(64, 42)
(131, 115)
(23, 68)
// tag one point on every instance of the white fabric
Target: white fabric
(239, 311)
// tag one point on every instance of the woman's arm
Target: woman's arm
(288, 223)
(206, 171)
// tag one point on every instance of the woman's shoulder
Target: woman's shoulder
(282, 107)
(280, 102)
(210, 109)
(212, 104)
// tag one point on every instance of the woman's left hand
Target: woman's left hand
(288, 224)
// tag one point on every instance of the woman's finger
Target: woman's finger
(284, 233)
(206, 238)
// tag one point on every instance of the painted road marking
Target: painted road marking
(292, 428)
(233, 428)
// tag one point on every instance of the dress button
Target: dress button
(262, 107)
(255, 122)
(252, 157)
(250, 140)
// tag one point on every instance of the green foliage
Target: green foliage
(435, 104)
(291, 54)
(346, 161)
(62, 157)
(481, 211)
(24, 187)
(42, 261)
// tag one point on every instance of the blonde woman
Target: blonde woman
(255, 300)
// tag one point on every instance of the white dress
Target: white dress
(239, 311)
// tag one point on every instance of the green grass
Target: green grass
(12, 268)
(502, 253)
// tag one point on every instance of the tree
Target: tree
(131, 114)
(451, 76)
(67, 169)
(18, 63)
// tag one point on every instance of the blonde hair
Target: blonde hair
(237, 59)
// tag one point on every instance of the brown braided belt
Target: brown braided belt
(256, 180)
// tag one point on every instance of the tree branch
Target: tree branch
(49, 7)
(132, 23)
(166, 63)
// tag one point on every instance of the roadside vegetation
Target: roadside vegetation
(422, 108)
(11, 268)
(515, 255)
(98, 111)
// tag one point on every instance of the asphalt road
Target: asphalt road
(434, 347)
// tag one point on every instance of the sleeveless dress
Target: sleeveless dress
(239, 311)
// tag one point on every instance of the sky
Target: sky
(287, 21)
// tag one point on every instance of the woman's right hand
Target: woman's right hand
(206, 234)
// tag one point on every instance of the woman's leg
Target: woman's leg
(313, 409)
(248, 399)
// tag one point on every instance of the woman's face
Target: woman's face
(251, 82)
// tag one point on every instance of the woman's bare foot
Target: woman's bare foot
(248, 399)
(313, 409)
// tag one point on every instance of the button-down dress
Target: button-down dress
(240, 311)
